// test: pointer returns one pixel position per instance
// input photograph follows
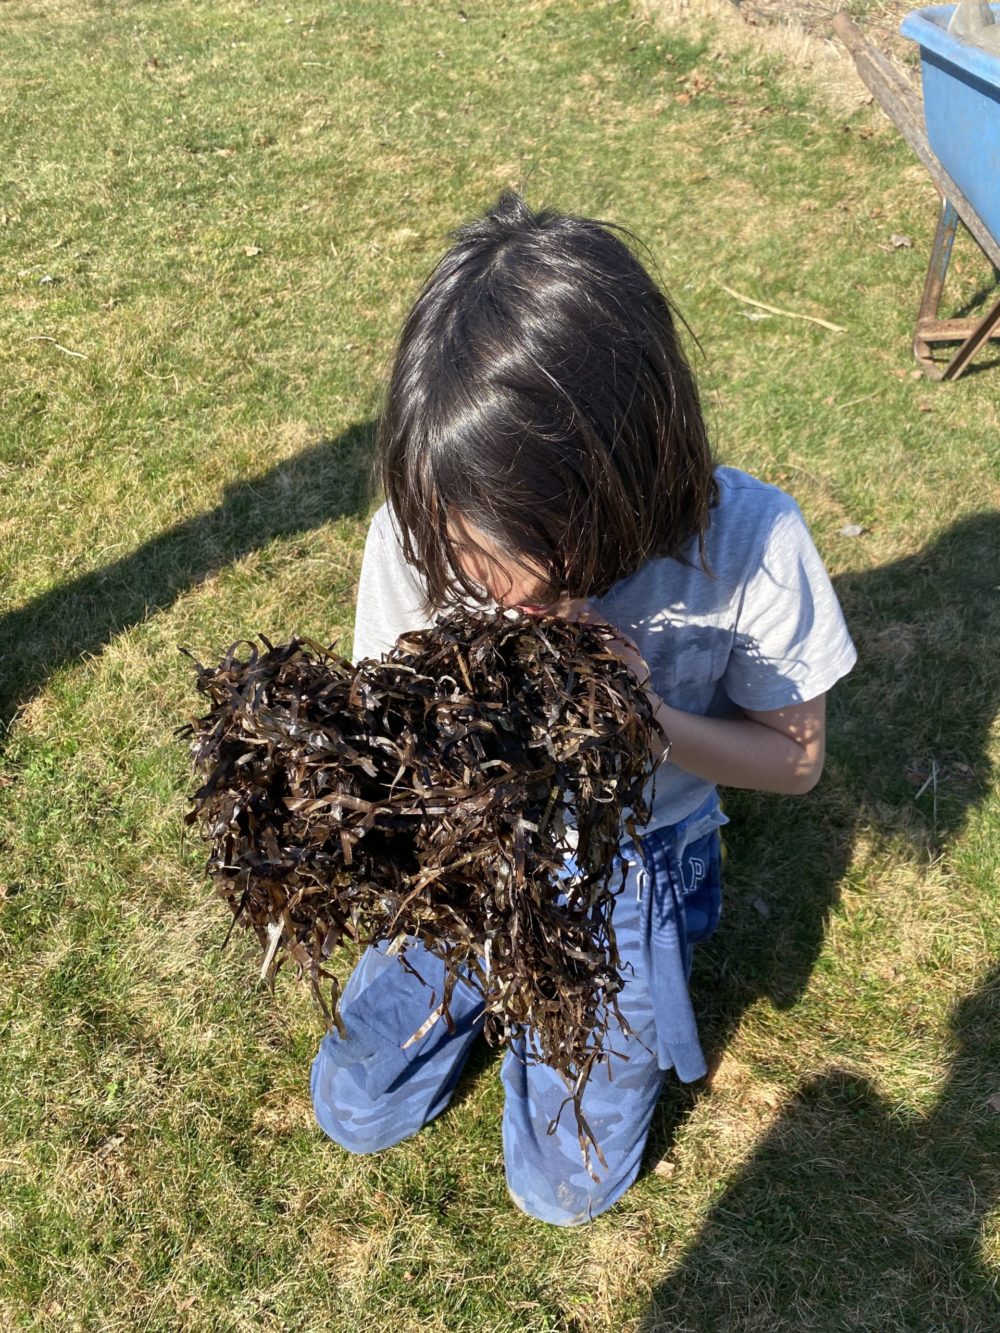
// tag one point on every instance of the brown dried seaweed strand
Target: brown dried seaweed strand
(431, 797)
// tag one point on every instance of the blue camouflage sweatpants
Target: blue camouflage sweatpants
(371, 1089)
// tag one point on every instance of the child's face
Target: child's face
(509, 581)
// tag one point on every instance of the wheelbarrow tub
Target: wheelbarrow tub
(961, 87)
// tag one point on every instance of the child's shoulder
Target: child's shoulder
(747, 514)
(741, 492)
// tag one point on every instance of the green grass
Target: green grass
(200, 473)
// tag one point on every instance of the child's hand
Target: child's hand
(627, 651)
(579, 611)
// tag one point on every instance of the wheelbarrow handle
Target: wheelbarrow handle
(849, 32)
(891, 90)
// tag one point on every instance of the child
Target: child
(543, 447)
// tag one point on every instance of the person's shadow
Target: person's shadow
(907, 761)
(326, 481)
(851, 1215)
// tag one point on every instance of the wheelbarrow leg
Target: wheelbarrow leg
(982, 333)
(937, 269)
(971, 333)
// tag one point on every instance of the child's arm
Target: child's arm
(788, 641)
(781, 750)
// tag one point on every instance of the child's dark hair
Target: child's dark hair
(540, 394)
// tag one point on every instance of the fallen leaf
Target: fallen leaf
(109, 1146)
(665, 1169)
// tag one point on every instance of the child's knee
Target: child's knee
(547, 1174)
(548, 1178)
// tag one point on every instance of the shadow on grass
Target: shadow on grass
(851, 1215)
(329, 480)
(908, 760)
(918, 709)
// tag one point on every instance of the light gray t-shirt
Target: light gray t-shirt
(761, 630)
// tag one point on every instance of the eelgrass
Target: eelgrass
(467, 793)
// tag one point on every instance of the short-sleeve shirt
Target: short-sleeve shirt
(760, 628)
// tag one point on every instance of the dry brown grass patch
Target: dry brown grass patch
(803, 55)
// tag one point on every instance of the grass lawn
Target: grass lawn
(212, 219)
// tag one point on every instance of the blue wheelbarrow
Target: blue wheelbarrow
(956, 134)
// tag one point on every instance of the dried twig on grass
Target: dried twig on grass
(776, 310)
(44, 338)
(467, 792)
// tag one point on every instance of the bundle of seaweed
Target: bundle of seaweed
(466, 792)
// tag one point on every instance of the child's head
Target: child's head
(541, 417)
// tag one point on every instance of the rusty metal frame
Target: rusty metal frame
(904, 108)
(972, 334)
